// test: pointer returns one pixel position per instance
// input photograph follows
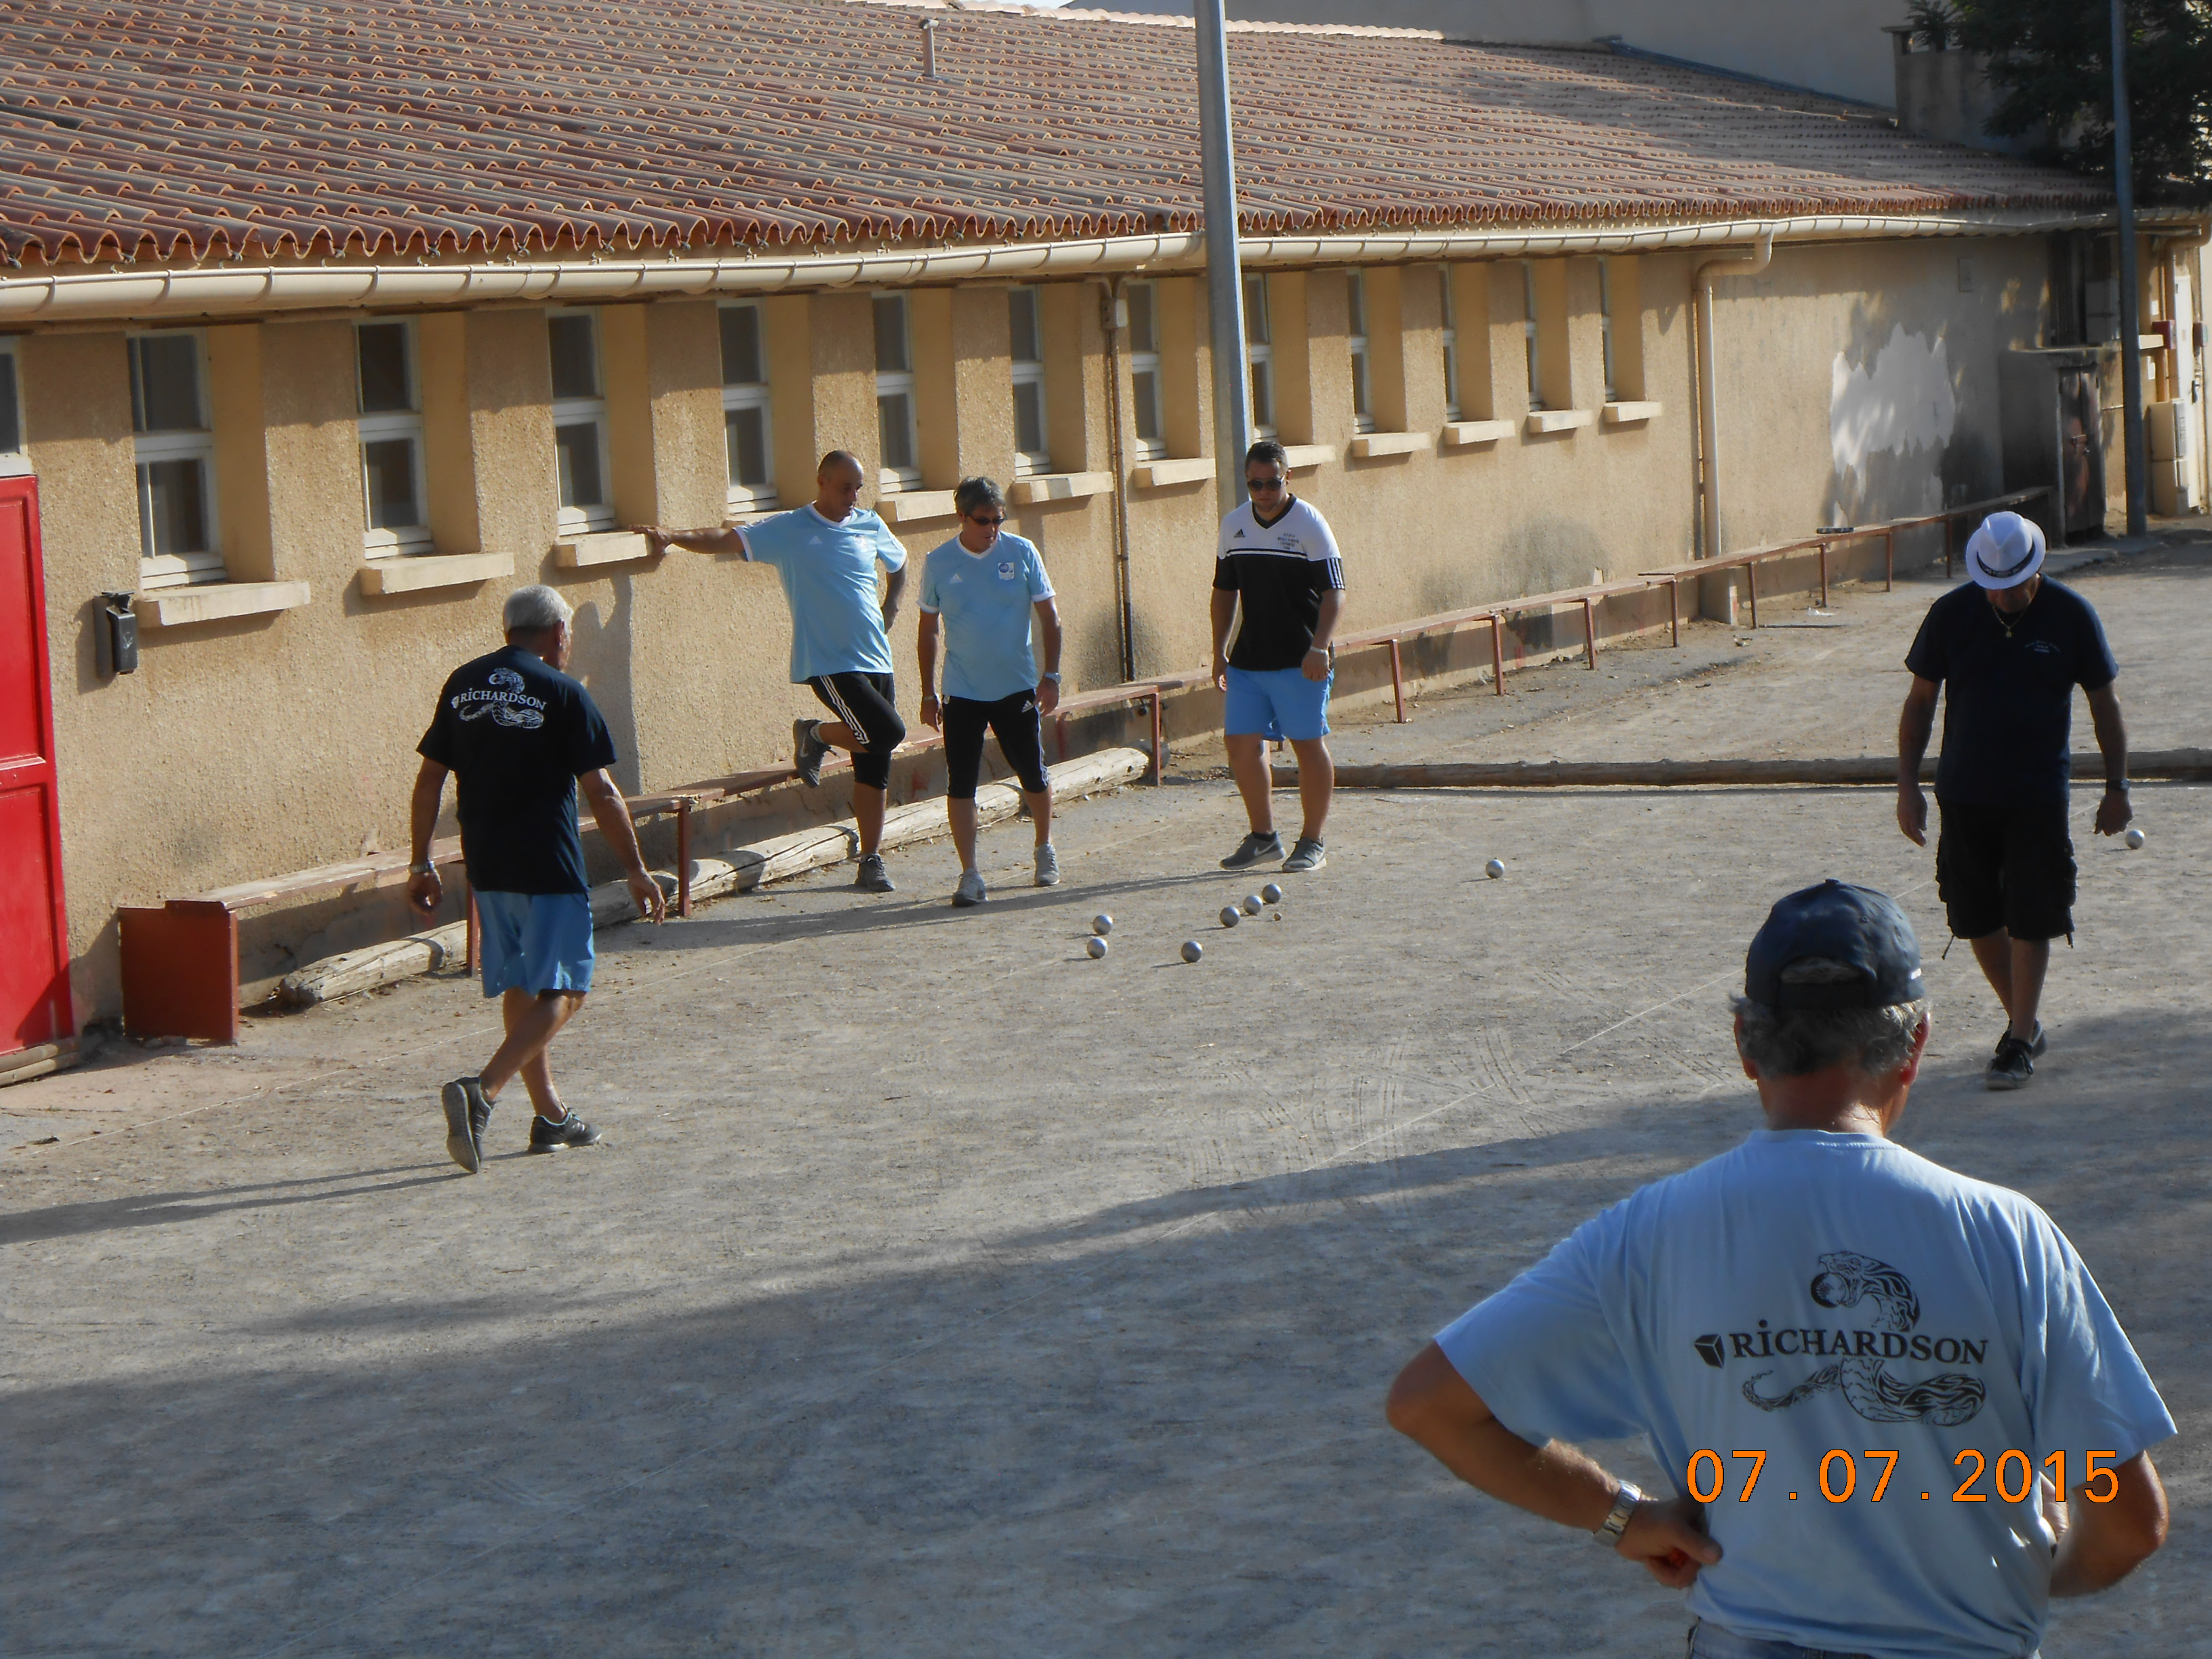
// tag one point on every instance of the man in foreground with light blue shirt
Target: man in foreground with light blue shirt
(827, 553)
(982, 587)
(1900, 1411)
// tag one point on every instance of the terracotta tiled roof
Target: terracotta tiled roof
(176, 128)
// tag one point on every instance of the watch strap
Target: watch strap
(1623, 1506)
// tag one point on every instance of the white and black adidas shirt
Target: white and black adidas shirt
(1280, 570)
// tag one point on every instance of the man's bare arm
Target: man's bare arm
(2115, 810)
(424, 888)
(2106, 1542)
(1914, 727)
(611, 813)
(894, 584)
(1224, 616)
(1432, 1403)
(924, 654)
(722, 539)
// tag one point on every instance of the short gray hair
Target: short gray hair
(534, 609)
(1796, 1042)
(978, 492)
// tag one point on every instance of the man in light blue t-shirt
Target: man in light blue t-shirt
(827, 553)
(1900, 1411)
(982, 587)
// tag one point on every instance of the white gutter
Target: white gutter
(241, 290)
(1709, 479)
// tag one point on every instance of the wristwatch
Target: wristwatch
(1054, 676)
(1616, 1519)
(425, 868)
(2116, 786)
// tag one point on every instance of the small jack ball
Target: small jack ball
(1494, 869)
(1230, 915)
(1273, 893)
(1192, 950)
(1252, 905)
(2134, 839)
(1094, 948)
(1102, 925)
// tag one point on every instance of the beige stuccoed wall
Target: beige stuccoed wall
(265, 744)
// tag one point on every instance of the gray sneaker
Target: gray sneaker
(1306, 854)
(808, 751)
(2010, 1067)
(570, 1131)
(2038, 1045)
(1252, 849)
(970, 892)
(873, 877)
(1047, 867)
(466, 1113)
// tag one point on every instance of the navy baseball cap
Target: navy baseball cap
(1855, 926)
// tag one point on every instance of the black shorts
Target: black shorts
(1013, 721)
(867, 703)
(2005, 868)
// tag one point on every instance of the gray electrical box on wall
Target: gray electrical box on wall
(120, 622)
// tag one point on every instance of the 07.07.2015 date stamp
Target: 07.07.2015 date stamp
(2012, 1476)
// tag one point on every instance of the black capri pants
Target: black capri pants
(868, 704)
(2008, 868)
(1014, 721)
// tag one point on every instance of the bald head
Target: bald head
(837, 485)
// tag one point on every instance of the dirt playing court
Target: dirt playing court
(942, 1291)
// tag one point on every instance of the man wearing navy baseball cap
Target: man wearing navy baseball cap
(1899, 1414)
(2007, 651)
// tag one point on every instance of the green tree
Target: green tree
(2051, 61)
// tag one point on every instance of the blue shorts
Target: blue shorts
(535, 942)
(1276, 703)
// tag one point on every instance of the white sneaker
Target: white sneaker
(970, 892)
(1047, 867)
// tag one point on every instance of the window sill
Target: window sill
(1632, 414)
(1304, 457)
(756, 503)
(1540, 421)
(1060, 487)
(913, 506)
(1373, 444)
(412, 573)
(1153, 474)
(1462, 434)
(176, 607)
(14, 465)
(601, 547)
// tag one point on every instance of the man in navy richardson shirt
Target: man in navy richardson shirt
(2007, 651)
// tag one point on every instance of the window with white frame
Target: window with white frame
(1143, 298)
(1260, 353)
(580, 422)
(745, 410)
(11, 412)
(1529, 334)
(1032, 437)
(175, 449)
(1363, 408)
(1604, 328)
(902, 466)
(1448, 313)
(390, 405)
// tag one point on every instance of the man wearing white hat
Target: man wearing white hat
(2010, 646)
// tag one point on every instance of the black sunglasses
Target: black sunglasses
(977, 518)
(1266, 483)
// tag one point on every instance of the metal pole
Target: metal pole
(2124, 185)
(1224, 292)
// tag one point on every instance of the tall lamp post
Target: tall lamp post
(2123, 180)
(1224, 297)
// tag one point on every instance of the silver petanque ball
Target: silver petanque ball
(1252, 904)
(1094, 948)
(2134, 839)
(1230, 915)
(1494, 869)
(1192, 950)
(1273, 893)
(1102, 924)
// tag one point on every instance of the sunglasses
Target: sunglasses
(1265, 484)
(977, 518)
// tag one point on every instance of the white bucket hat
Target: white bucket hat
(2005, 552)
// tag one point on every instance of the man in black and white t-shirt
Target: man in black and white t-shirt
(1277, 558)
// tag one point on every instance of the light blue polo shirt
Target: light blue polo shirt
(1810, 1294)
(986, 599)
(829, 572)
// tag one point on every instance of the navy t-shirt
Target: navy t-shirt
(2008, 697)
(517, 734)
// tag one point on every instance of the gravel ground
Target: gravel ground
(942, 1291)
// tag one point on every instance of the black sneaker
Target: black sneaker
(872, 877)
(2010, 1068)
(1253, 849)
(466, 1113)
(570, 1131)
(2036, 1044)
(808, 751)
(1305, 854)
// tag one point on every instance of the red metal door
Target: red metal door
(35, 988)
